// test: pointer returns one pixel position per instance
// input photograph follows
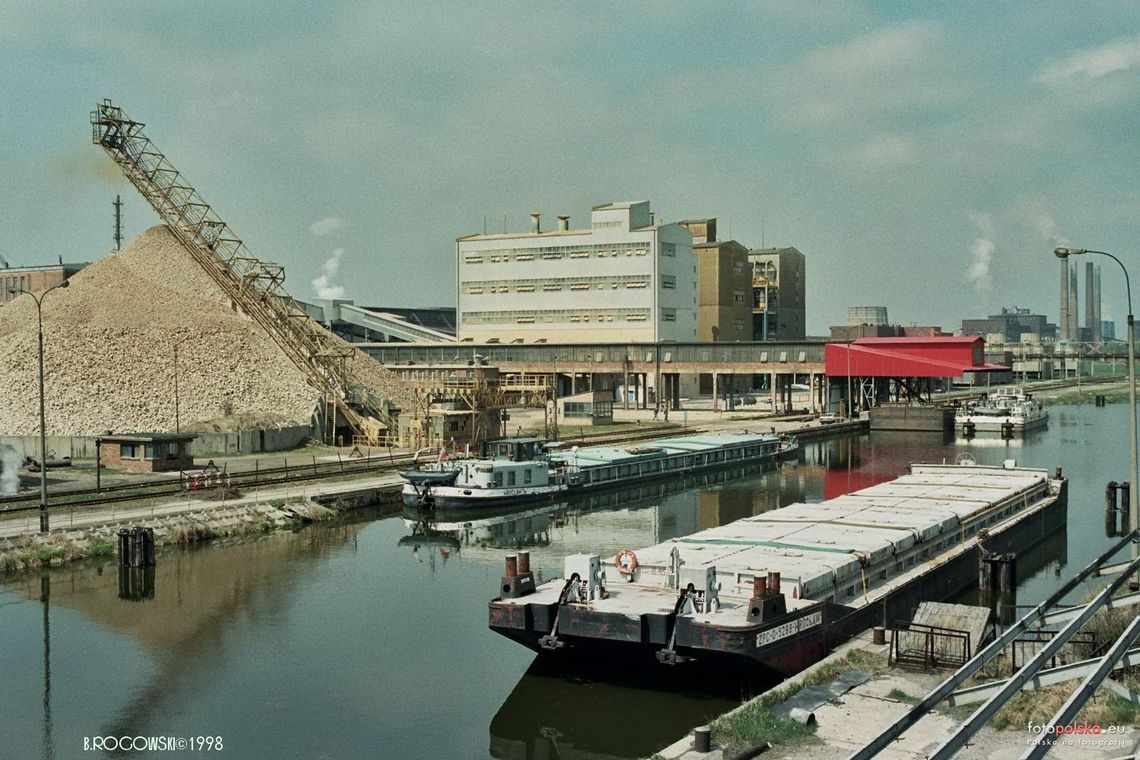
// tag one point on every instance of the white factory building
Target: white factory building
(626, 278)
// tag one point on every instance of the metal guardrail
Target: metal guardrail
(959, 677)
(982, 715)
(1068, 711)
(941, 647)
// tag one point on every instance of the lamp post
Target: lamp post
(1133, 509)
(43, 430)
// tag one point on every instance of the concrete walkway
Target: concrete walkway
(846, 724)
(65, 519)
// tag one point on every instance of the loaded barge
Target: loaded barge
(776, 591)
(531, 469)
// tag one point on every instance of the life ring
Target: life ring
(626, 561)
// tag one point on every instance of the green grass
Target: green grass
(755, 723)
(901, 696)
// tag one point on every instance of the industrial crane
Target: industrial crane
(255, 286)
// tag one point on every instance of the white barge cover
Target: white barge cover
(840, 549)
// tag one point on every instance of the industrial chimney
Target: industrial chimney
(536, 223)
(563, 223)
(1063, 319)
(1074, 304)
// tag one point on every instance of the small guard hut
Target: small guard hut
(147, 452)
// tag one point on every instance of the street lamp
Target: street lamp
(43, 430)
(1133, 509)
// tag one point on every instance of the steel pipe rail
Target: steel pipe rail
(1059, 674)
(1068, 711)
(980, 716)
(1056, 618)
(947, 687)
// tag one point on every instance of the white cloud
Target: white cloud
(860, 78)
(323, 285)
(1094, 63)
(886, 151)
(326, 226)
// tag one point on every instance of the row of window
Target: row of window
(588, 409)
(11, 287)
(548, 316)
(149, 450)
(616, 282)
(555, 253)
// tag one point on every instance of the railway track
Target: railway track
(217, 481)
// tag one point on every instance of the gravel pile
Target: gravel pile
(109, 341)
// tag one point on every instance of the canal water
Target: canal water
(368, 638)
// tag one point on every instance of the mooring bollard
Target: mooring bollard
(988, 578)
(878, 635)
(1123, 509)
(702, 739)
(124, 547)
(1110, 509)
(1007, 588)
(524, 563)
(136, 547)
(512, 566)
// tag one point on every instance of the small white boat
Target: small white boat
(1007, 410)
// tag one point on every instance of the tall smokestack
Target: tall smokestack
(1096, 305)
(1090, 299)
(1074, 304)
(563, 223)
(536, 223)
(1063, 319)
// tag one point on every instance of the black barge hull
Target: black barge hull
(781, 647)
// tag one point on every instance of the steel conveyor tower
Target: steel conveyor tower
(255, 286)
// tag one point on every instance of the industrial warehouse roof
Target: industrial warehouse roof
(932, 356)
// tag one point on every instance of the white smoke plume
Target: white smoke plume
(981, 253)
(326, 226)
(324, 284)
(9, 471)
(1049, 231)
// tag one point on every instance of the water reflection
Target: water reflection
(136, 584)
(549, 715)
(240, 638)
(206, 589)
(644, 514)
(45, 601)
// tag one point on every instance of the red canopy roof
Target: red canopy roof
(946, 356)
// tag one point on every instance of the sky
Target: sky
(923, 156)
